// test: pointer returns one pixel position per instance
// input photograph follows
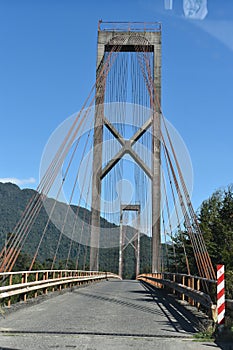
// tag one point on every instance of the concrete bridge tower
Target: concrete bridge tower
(127, 37)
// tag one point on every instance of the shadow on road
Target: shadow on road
(8, 348)
(224, 346)
(119, 301)
(178, 315)
(185, 318)
(55, 333)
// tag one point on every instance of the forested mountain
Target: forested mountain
(215, 217)
(13, 201)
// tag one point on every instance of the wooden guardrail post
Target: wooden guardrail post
(70, 275)
(54, 276)
(24, 280)
(45, 277)
(10, 283)
(193, 287)
(174, 280)
(183, 282)
(189, 285)
(60, 276)
(198, 289)
(36, 279)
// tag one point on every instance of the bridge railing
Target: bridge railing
(22, 285)
(197, 291)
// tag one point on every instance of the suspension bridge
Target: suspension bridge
(117, 159)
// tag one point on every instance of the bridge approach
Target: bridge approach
(113, 314)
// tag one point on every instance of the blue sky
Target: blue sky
(47, 68)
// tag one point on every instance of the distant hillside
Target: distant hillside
(13, 201)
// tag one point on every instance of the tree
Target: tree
(216, 222)
(181, 256)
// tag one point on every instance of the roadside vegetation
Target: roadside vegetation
(216, 221)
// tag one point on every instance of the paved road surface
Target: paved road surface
(108, 315)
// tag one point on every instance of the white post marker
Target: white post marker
(220, 294)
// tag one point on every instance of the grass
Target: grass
(205, 336)
(212, 333)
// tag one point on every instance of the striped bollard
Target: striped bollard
(220, 294)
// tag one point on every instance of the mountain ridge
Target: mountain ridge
(13, 201)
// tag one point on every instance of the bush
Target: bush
(229, 284)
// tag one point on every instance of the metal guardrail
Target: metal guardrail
(187, 287)
(29, 283)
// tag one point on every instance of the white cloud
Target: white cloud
(18, 182)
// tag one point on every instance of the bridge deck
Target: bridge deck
(111, 315)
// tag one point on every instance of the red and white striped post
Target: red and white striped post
(220, 294)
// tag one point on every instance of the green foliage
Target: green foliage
(215, 217)
(216, 222)
(229, 284)
(181, 257)
(24, 261)
(205, 336)
(13, 202)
